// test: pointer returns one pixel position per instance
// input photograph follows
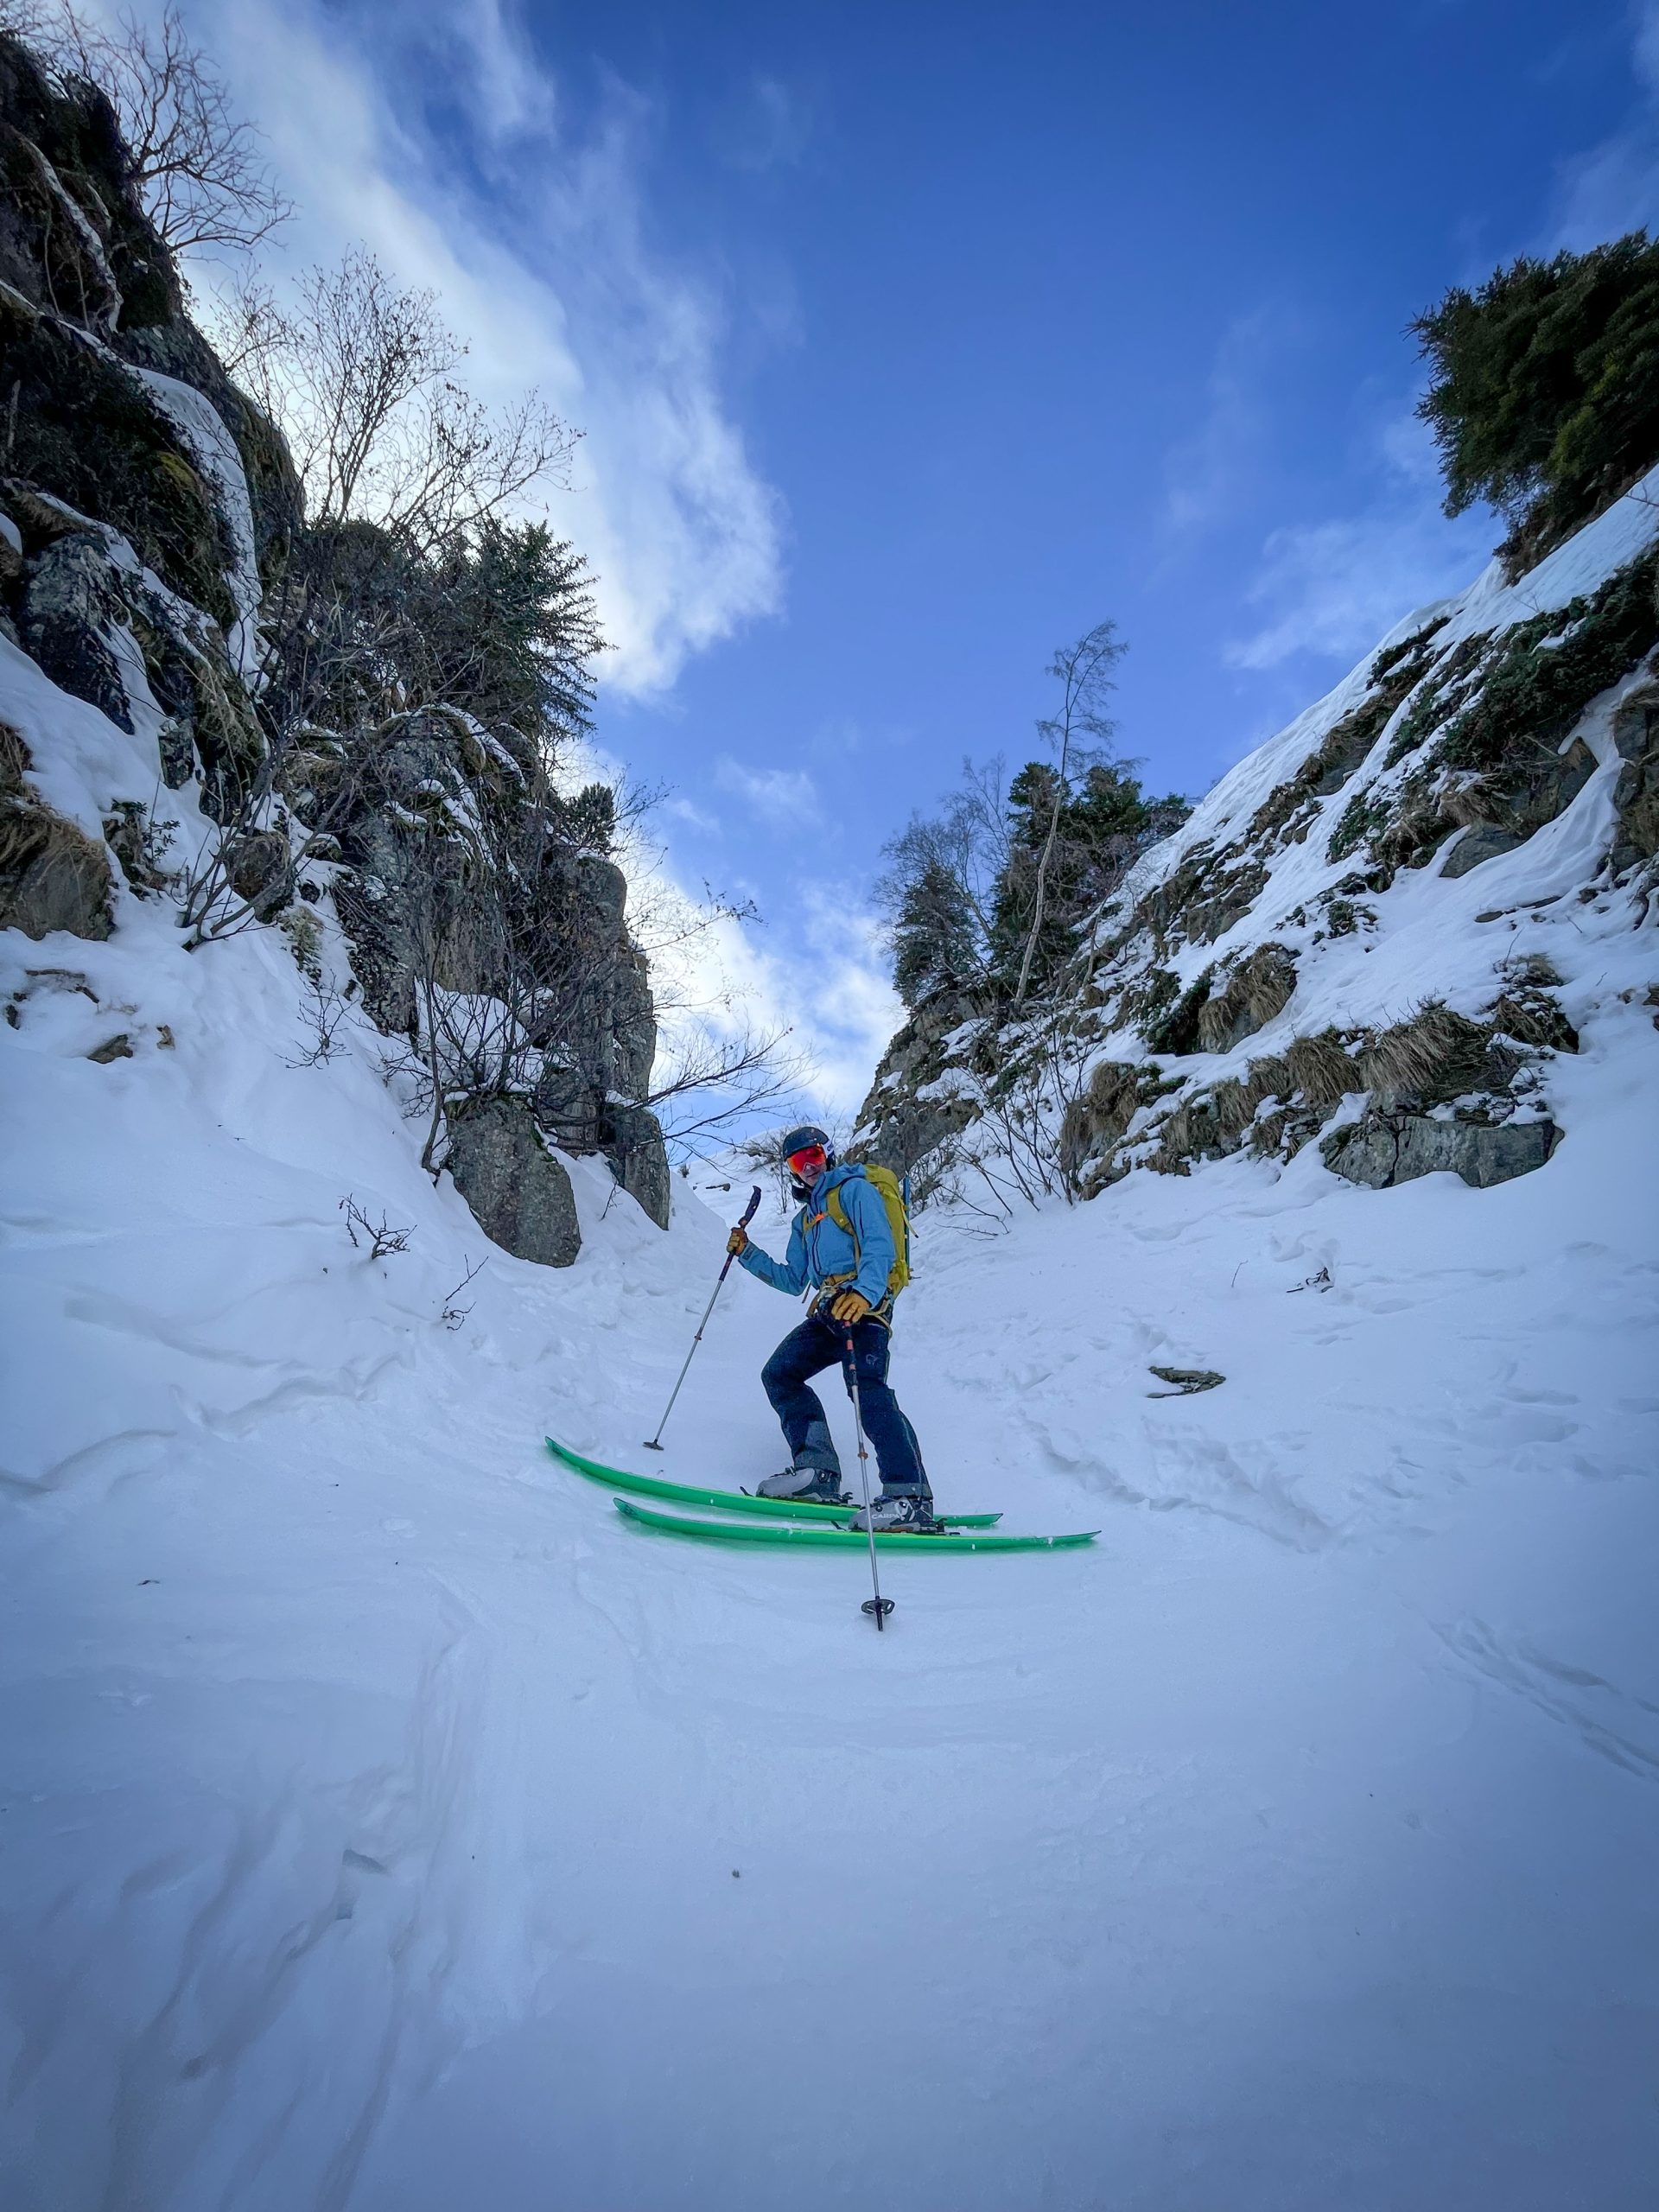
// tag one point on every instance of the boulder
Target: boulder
(1636, 795)
(1382, 1149)
(53, 876)
(520, 1195)
(262, 872)
(1476, 845)
(70, 606)
(634, 1145)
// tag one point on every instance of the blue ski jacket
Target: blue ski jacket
(819, 1247)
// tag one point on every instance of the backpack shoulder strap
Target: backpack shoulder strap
(837, 1212)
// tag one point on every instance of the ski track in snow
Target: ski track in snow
(386, 1827)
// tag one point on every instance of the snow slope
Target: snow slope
(385, 1824)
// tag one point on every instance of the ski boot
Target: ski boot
(804, 1486)
(899, 1512)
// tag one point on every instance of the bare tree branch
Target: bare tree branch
(199, 172)
(1083, 673)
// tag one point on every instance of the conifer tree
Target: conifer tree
(933, 937)
(1544, 390)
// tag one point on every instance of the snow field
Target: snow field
(385, 1827)
(374, 1795)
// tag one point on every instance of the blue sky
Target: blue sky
(910, 340)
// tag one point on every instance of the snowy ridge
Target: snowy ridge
(1594, 553)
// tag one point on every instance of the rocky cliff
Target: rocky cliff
(146, 514)
(1379, 932)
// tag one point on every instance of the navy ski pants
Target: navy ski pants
(820, 1344)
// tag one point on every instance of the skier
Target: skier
(850, 1267)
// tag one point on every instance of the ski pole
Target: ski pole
(877, 1606)
(654, 1443)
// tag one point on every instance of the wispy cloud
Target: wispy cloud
(1207, 471)
(1327, 590)
(818, 969)
(826, 984)
(680, 809)
(780, 795)
(767, 126)
(434, 133)
(1613, 187)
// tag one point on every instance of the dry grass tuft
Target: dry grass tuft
(1257, 991)
(13, 761)
(1321, 1070)
(1435, 1051)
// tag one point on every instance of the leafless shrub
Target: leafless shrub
(716, 1080)
(199, 170)
(1023, 1144)
(379, 1237)
(454, 1315)
(361, 372)
(326, 1012)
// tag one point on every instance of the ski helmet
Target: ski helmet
(807, 1138)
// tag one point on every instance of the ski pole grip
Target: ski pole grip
(751, 1209)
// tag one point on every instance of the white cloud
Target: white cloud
(822, 974)
(679, 808)
(766, 127)
(1614, 186)
(779, 795)
(1329, 589)
(539, 241)
(1206, 470)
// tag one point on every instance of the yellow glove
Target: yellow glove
(849, 1307)
(738, 1242)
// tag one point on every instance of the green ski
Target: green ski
(730, 1501)
(842, 1539)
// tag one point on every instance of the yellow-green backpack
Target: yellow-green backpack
(892, 1193)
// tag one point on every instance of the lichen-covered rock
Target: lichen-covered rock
(519, 1194)
(633, 1142)
(1382, 1149)
(1477, 844)
(89, 620)
(915, 1103)
(70, 610)
(209, 727)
